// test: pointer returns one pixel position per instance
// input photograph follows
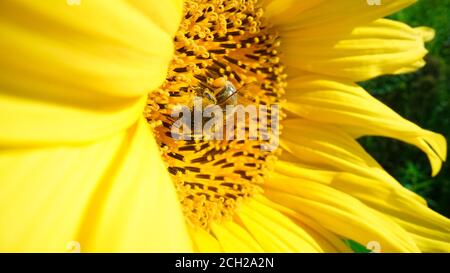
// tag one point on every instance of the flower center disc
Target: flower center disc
(218, 39)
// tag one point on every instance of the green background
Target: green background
(423, 98)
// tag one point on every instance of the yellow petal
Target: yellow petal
(358, 53)
(426, 32)
(431, 245)
(328, 147)
(293, 168)
(114, 195)
(430, 230)
(274, 231)
(343, 103)
(302, 14)
(167, 14)
(85, 67)
(234, 238)
(339, 213)
(285, 12)
(204, 241)
(290, 168)
(328, 241)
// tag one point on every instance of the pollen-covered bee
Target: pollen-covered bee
(215, 106)
(224, 93)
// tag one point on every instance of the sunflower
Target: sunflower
(87, 158)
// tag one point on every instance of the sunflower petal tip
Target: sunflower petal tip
(439, 147)
(426, 33)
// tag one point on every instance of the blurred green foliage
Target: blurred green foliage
(356, 247)
(422, 97)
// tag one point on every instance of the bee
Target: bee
(220, 93)
(224, 94)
